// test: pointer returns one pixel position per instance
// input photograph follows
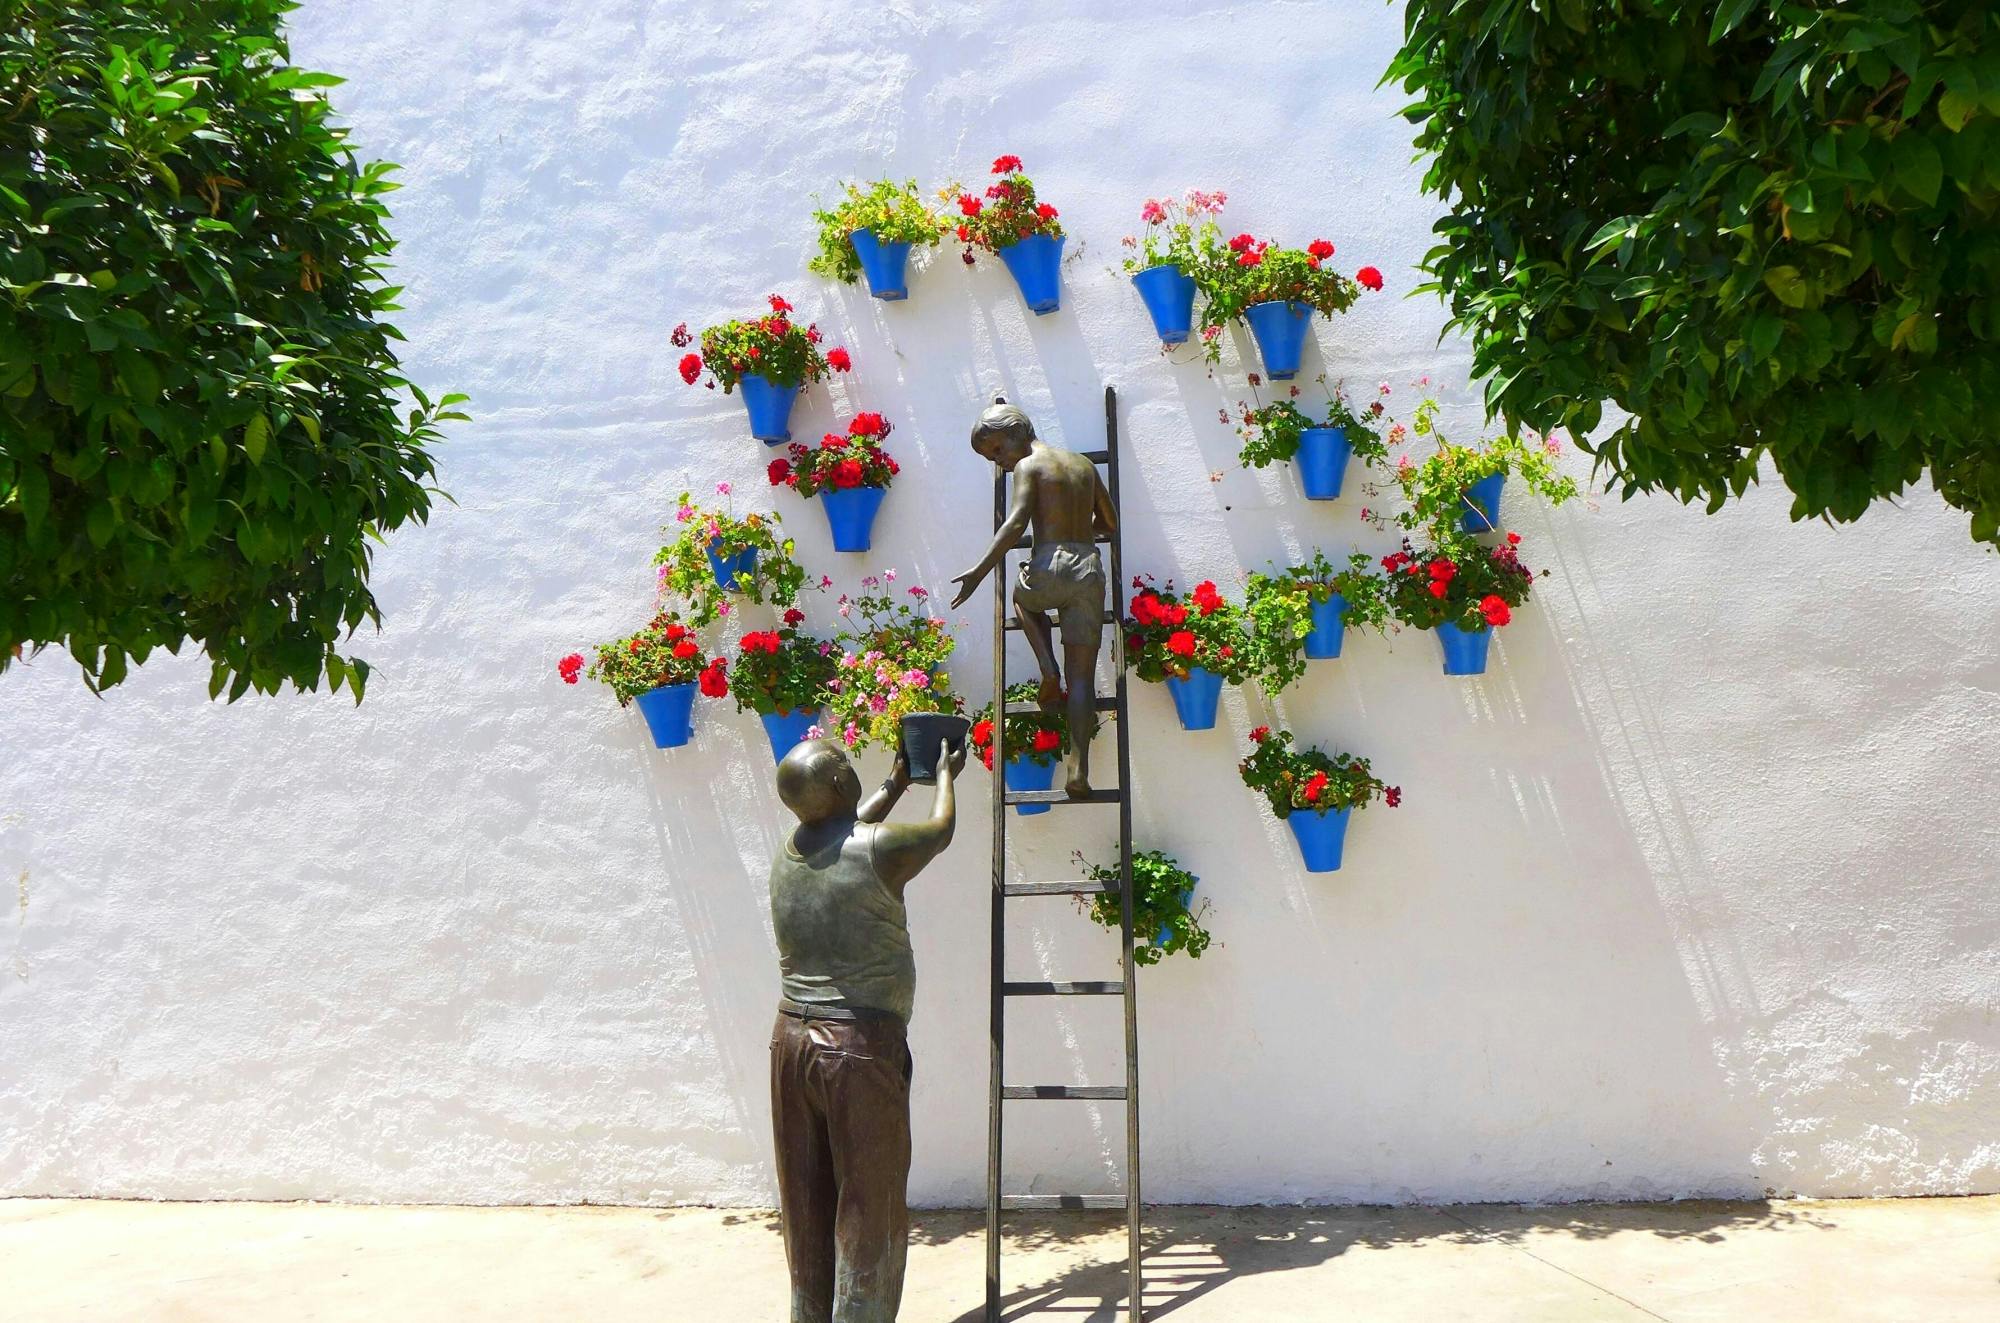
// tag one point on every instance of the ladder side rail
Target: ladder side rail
(1135, 1283)
(996, 999)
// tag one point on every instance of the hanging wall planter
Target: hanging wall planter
(731, 567)
(1024, 773)
(1329, 628)
(1320, 837)
(669, 714)
(769, 407)
(1481, 504)
(1322, 461)
(787, 729)
(850, 514)
(1169, 299)
(1464, 649)
(1280, 331)
(1184, 900)
(885, 264)
(1036, 265)
(1196, 698)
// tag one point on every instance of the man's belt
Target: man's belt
(800, 1010)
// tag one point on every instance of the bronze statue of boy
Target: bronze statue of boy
(840, 1056)
(1058, 494)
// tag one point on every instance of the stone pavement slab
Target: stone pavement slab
(1936, 1260)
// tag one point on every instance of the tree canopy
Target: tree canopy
(202, 425)
(1762, 231)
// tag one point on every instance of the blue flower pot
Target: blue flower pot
(1320, 837)
(1322, 461)
(1169, 298)
(850, 513)
(1165, 935)
(1464, 650)
(1036, 262)
(770, 408)
(1481, 504)
(785, 729)
(1196, 697)
(883, 264)
(1328, 628)
(669, 714)
(1027, 774)
(1280, 331)
(727, 568)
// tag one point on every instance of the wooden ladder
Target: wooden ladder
(999, 1092)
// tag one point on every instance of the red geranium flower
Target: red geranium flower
(812, 335)
(569, 666)
(676, 632)
(690, 367)
(1370, 277)
(833, 441)
(1443, 569)
(1173, 615)
(1315, 787)
(838, 360)
(713, 682)
(794, 617)
(1438, 587)
(1047, 741)
(686, 648)
(1259, 735)
(681, 339)
(847, 473)
(1392, 796)
(1320, 248)
(1496, 610)
(1242, 242)
(982, 733)
(778, 304)
(1006, 165)
(868, 424)
(1206, 598)
(965, 234)
(969, 204)
(1250, 257)
(1181, 643)
(780, 472)
(1513, 539)
(1045, 211)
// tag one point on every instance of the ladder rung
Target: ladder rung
(1101, 1092)
(1043, 1203)
(1013, 623)
(1062, 797)
(1096, 456)
(1106, 703)
(1078, 888)
(1088, 989)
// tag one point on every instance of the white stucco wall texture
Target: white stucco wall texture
(1693, 893)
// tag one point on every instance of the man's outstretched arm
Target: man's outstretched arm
(1019, 517)
(901, 849)
(876, 807)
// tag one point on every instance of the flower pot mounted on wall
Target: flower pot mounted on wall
(770, 408)
(1322, 461)
(1280, 331)
(921, 733)
(1169, 299)
(1481, 504)
(1320, 837)
(1027, 774)
(786, 729)
(884, 264)
(1464, 650)
(1195, 698)
(729, 568)
(1036, 264)
(1329, 628)
(850, 513)
(669, 714)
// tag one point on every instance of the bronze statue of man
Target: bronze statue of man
(1058, 494)
(840, 1058)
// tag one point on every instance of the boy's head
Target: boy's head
(816, 781)
(1003, 435)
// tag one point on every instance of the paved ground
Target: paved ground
(1934, 1260)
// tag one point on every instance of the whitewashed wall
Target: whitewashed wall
(1694, 893)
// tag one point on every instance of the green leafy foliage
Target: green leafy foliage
(895, 212)
(1271, 432)
(688, 574)
(201, 427)
(665, 652)
(1433, 490)
(772, 346)
(1279, 606)
(1162, 922)
(1762, 231)
(781, 670)
(1294, 780)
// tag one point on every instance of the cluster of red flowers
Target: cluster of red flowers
(714, 682)
(842, 460)
(1441, 571)
(683, 640)
(570, 667)
(1043, 741)
(771, 344)
(762, 641)
(1315, 786)
(1015, 214)
(1249, 251)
